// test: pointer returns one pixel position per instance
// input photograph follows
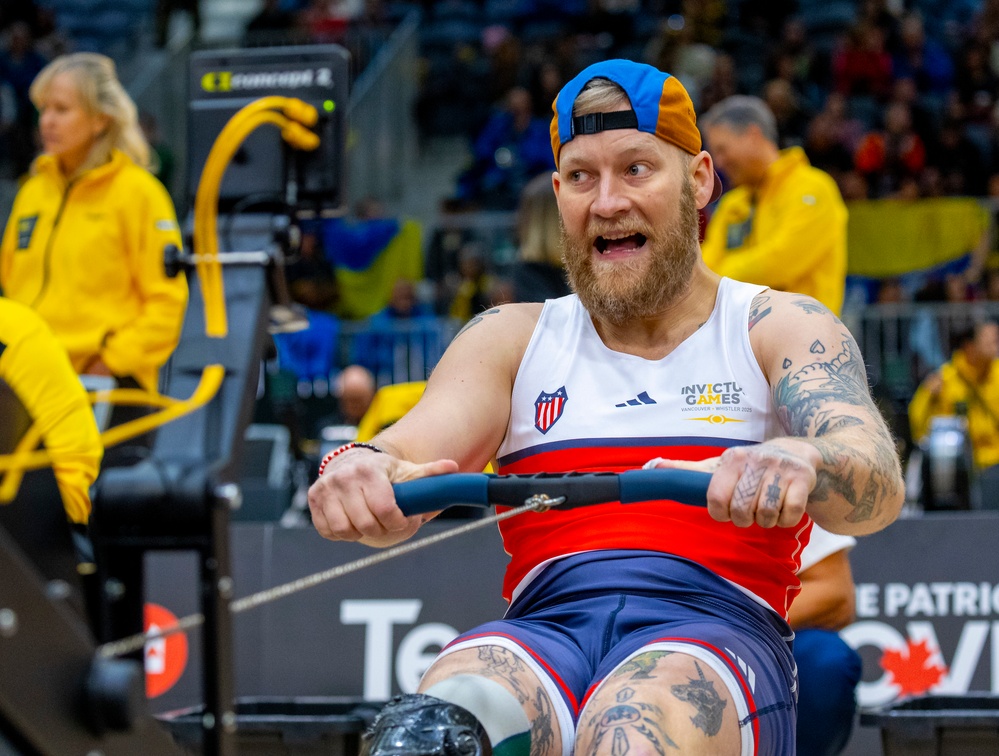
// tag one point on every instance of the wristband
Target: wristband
(344, 448)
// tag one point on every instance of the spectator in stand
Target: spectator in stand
(925, 122)
(310, 275)
(888, 157)
(832, 137)
(922, 59)
(472, 294)
(967, 384)
(50, 40)
(884, 15)
(402, 342)
(853, 186)
(546, 81)
(862, 66)
(90, 261)
(783, 224)
(505, 56)
(796, 61)
(19, 65)
(723, 83)
(512, 148)
(354, 388)
(977, 84)
(538, 273)
(959, 161)
(792, 119)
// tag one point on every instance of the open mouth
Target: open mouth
(628, 243)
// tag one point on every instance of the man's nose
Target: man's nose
(611, 198)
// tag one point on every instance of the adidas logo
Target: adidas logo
(641, 399)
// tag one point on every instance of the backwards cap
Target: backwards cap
(660, 105)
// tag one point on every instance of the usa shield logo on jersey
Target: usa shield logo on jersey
(548, 409)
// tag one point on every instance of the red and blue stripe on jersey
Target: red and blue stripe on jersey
(665, 526)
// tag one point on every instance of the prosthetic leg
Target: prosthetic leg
(421, 725)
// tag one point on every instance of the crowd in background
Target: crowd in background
(895, 99)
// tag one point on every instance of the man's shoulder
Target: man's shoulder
(775, 314)
(503, 324)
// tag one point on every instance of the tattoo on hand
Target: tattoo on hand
(749, 486)
(773, 491)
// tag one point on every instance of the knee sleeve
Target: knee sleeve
(420, 725)
(498, 710)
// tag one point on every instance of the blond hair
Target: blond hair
(538, 222)
(100, 93)
(599, 95)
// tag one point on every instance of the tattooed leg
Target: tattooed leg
(507, 669)
(659, 703)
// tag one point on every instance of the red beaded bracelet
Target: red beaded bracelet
(347, 447)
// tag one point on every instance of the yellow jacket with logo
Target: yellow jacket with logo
(790, 234)
(35, 367)
(88, 257)
(958, 384)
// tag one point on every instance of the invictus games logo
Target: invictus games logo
(242, 81)
(724, 393)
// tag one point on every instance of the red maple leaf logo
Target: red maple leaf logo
(910, 668)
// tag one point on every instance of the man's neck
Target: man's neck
(655, 336)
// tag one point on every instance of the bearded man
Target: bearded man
(654, 626)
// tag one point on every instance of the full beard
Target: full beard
(645, 285)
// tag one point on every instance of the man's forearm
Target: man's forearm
(858, 485)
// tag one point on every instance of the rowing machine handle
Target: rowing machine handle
(579, 489)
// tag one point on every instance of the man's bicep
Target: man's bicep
(464, 412)
(816, 372)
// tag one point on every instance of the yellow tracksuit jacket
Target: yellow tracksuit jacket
(88, 257)
(35, 367)
(959, 384)
(789, 235)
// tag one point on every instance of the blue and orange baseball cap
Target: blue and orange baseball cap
(660, 105)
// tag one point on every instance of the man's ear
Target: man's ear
(702, 174)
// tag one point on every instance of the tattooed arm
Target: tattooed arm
(837, 457)
(457, 425)
(832, 427)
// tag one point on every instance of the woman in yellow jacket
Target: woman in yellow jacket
(84, 243)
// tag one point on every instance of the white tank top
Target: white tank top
(579, 406)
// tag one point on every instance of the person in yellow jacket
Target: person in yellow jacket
(56, 412)
(84, 243)
(783, 224)
(968, 384)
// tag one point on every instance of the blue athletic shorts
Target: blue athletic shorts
(588, 613)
